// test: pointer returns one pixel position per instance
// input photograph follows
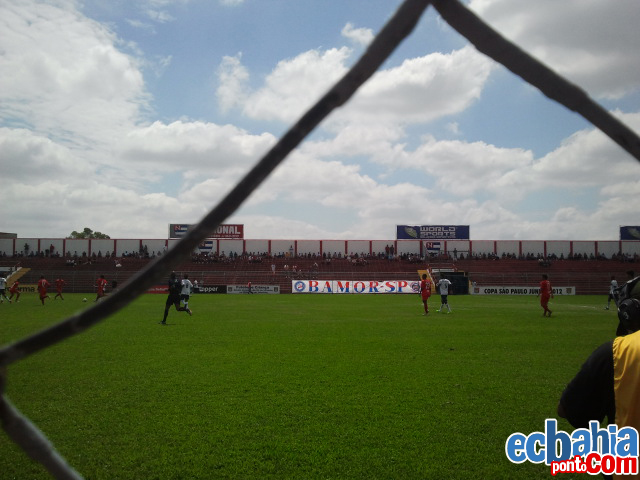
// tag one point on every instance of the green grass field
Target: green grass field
(299, 386)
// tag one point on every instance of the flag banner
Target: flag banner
(433, 247)
(206, 246)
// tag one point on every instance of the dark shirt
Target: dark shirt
(590, 395)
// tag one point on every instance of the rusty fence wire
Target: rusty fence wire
(27, 435)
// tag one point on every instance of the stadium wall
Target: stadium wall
(123, 247)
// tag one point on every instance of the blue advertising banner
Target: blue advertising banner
(432, 232)
(630, 233)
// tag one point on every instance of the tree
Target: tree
(87, 233)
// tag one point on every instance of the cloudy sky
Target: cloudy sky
(125, 116)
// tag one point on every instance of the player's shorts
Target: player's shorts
(444, 298)
(184, 297)
(173, 299)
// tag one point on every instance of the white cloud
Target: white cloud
(295, 84)
(423, 89)
(594, 43)
(360, 36)
(233, 87)
(63, 75)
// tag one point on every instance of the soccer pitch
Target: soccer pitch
(299, 386)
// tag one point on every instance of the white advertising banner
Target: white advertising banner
(506, 290)
(355, 286)
(254, 289)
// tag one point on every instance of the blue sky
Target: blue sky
(127, 116)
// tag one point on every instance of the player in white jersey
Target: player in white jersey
(443, 287)
(613, 293)
(187, 290)
(3, 288)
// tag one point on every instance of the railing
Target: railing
(400, 25)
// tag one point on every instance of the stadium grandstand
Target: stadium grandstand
(585, 265)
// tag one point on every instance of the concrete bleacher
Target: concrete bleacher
(587, 276)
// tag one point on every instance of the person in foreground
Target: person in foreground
(175, 287)
(608, 384)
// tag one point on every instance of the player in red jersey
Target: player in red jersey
(425, 292)
(102, 285)
(42, 288)
(15, 290)
(545, 294)
(59, 284)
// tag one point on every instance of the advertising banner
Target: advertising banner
(211, 289)
(630, 233)
(506, 290)
(432, 232)
(159, 289)
(27, 288)
(254, 289)
(355, 286)
(178, 230)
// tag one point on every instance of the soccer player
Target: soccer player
(43, 284)
(59, 284)
(545, 294)
(444, 284)
(102, 285)
(175, 287)
(425, 292)
(185, 293)
(3, 287)
(613, 292)
(14, 290)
